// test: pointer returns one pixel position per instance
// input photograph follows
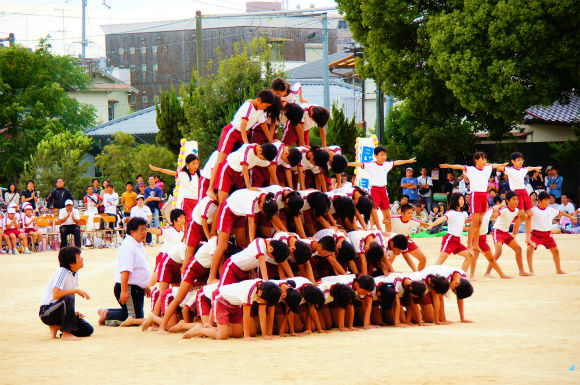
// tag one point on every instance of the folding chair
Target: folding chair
(113, 231)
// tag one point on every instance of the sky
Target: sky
(31, 20)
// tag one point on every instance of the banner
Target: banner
(365, 148)
(187, 147)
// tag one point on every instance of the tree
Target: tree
(60, 156)
(34, 104)
(568, 152)
(170, 117)
(343, 132)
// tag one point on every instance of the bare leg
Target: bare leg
(518, 223)
(530, 257)
(465, 265)
(409, 261)
(130, 321)
(556, 255)
(473, 234)
(240, 236)
(102, 316)
(216, 259)
(495, 265)
(442, 257)
(518, 250)
(473, 265)
(427, 312)
(170, 310)
(528, 225)
(53, 330)
(418, 254)
(496, 256)
(387, 220)
(210, 191)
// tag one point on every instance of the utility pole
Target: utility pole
(63, 30)
(84, 34)
(9, 39)
(380, 115)
(198, 44)
(325, 70)
(388, 107)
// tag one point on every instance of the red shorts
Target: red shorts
(30, 230)
(154, 297)
(478, 202)
(259, 137)
(203, 304)
(169, 271)
(501, 236)
(203, 187)
(412, 246)
(194, 273)
(166, 298)
(228, 179)
(309, 180)
(232, 274)
(281, 175)
(12, 231)
(452, 244)
(290, 136)
(228, 139)
(272, 271)
(188, 205)
(427, 299)
(158, 259)
(483, 243)
(524, 203)
(308, 217)
(226, 313)
(228, 220)
(259, 176)
(195, 235)
(543, 238)
(380, 197)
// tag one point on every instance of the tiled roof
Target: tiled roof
(314, 70)
(340, 92)
(556, 113)
(137, 123)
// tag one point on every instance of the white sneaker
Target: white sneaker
(84, 248)
(26, 251)
(15, 252)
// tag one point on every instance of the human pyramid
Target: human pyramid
(317, 257)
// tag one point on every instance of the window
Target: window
(133, 99)
(121, 50)
(155, 67)
(143, 67)
(143, 49)
(154, 48)
(111, 112)
(144, 99)
(132, 50)
(342, 24)
(132, 67)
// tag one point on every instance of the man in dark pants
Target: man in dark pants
(57, 306)
(58, 196)
(69, 219)
(131, 279)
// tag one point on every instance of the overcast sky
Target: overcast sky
(30, 20)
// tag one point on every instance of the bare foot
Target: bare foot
(102, 316)
(161, 331)
(53, 330)
(193, 332)
(472, 278)
(154, 328)
(148, 322)
(506, 277)
(531, 243)
(561, 272)
(127, 322)
(69, 337)
(525, 274)
(177, 328)
(488, 276)
(211, 281)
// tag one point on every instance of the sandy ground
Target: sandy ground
(526, 331)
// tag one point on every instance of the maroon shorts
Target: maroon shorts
(427, 299)
(380, 197)
(478, 202)
(452, 244)
(169, 271)
(166, 298)
(195, 235)
(228, 179)
(228, 139)
(258, 136)
(158, 259)
(226, 313)
(203, 304)
(259, 176)
(203, 187)
(309, 180)
(308, 217)
(543, 238)
(228, 220)
(501, 236)
(194, 273)
(12, 231)
(524, 203)
(412, 245)
(290, 136)
(483, 243)
(232, 274)
(272, 271)
(30, 230)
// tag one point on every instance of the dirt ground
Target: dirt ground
(526, 331)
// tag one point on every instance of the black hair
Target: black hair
(134, 223)
(274, 110)
(516, 155)
(400, 241)
(271, 293)
(67, 256)
(313, 295)
(366, 282)
(405, 196)
(346, 252)
(406, 207)
(375, 252)
(151, 176)
(555, 168)
(479, 155)
(543, 195)
(439, 284)
(175, 214)
(320, 157)
(345, 208)
(57, 179)
(294, 202)
(269, 151)
(281, 251)
(319, 203)
(91, 186)
(338, 164)
(454, 201)
(387, 295)
(137, 177)
(379, 149)
(280, 84)
(302, 253)
(293, 298)
(128, 183)
(365, 207)
(464, 289)
(294, 157)
(327, 243)
(110, 185)
(343, 295)
(270, 206)
(320, 115)
(266, 96)
(509, 195)
(415, 287)
(188, 159)
(294, 113)
(497, 200)
(94, 179)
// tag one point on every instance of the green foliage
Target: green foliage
(60, 156)
(211, 102)
(568, 152)
(395, 152)
(34, 104)
(123, 159)
(343, 132)
(170, 117)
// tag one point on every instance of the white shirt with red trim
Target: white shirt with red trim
(378, 173)
(209, 289)
(304, 194)
(280, 151)
(359, 237)
(91, 203)
(505, 219)
(170, 237)
(249, 113)
(278, 192)
(455, 222)
(241, 293)
(205, 252)
(405, 228)
(209, 165)
(247, 259)
(246, 155)
(205, 208)
(305, 163)
(329, 233)
(188, 188)
(325, 288)
(332, 195)
(177, 252)
(542, 218)
(28, 222)
(478, 178)
(485, 222)
(396, 279)
(307, 121)
(294, 91)
(285, 236)
(516, 177)
(244, 202)
(443, 270)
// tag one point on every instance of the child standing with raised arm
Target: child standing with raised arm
(478, 176)
(378, 180)
(517, 175)
(404, 224)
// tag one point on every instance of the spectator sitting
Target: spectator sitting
(424, 207)
(492, 184)
(534, 198)
(555, 183)
(492, 193)
(449, 184)
(420, 214)
(504, 185)
(397, 205)
(537, 181)
(553, 203)
(69, 219)
(566, 205)
(467, 205)
(436, 213)
(410, 185)
(463, 184)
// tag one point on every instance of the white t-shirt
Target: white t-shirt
(244, 202)
(405, 228)
(505, 219)
(241, 293)
(209, 165)
(91, 203)
(170, 238)
(344, 279)
(307, 121)
(305, 163)
(568, 208)
(209, 289)
(278, 192)
(443, 270)
(478, 178)
(111, 201)
(542, 218)
(246, 155)
(280, 151)
(189, 299)
(294, 91)
(516, 177)
(131, 257)
(304, 194)
(205, 208)
(359, 237)
(247, 259)
(27, 222)
(485, 222)
(62, 278)
(17, 219)
(396, 279)
(249, 113)
(428, 181)
(69, 221)
(177, 252)
(325, 287)
(329, 233)
(205, 252)
(143, 212)
(378, 173)
(188, 188)
(284, 236)
(455, 222)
